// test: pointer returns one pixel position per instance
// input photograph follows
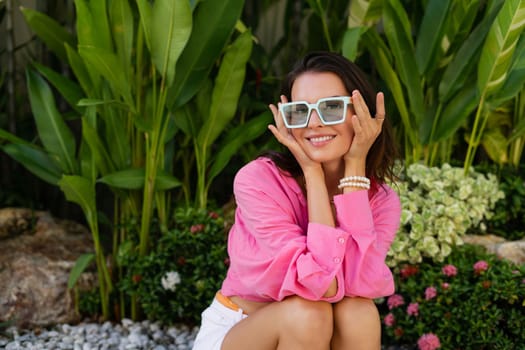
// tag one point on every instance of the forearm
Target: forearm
(318, 200)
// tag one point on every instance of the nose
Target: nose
(314, 121)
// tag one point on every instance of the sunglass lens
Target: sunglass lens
(332, 110)
(296, 114)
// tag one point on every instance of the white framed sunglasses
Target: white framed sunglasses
(331, 110)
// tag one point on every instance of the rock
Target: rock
(510, 250)
(37, 253)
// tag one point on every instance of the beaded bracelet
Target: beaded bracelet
(354, 184)
(363, 179)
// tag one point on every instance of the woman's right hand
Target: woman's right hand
(286, 138)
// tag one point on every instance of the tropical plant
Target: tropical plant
(136, 66)
(427, 66)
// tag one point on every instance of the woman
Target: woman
(313, 226)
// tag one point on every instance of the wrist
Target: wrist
(355, 167)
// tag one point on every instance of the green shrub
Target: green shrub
(179, 278)
(439, 205)
(472, 300)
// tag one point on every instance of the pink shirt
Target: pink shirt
(275, 252)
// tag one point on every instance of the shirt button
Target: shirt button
(341, 240)
(337, 260)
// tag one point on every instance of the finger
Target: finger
(360, 107)
(380, 106)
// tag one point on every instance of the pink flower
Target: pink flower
(389, 320)
(480, 266)
(395, 300)
(430, 293)
(428, 341)
(213, 215)
(413, 309)
(449, 270)
(196, 228)
(445, 285)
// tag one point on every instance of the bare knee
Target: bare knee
(356, 321)
(310, 321)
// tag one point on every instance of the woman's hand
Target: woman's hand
(285, 137)
(366, 128)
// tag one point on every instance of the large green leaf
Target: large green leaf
(81, 191)
(429, 40)
(92, 24)
(84, 77)
(364, 13)
(68, 89)
(35, 160)
(237, 138)
(228, 85)
(516, 76)
(133, 179)
(497, 51)
(455, 113)
(398, 32)
(99, 152)
(458, 70)
(107, 64)
(213, 24)
(122, 28)
(81, 264)
(171, 25)
(49, 31)
(55, 135)
(145, 20)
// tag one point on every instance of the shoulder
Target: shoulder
(260, 170)
(385, 195)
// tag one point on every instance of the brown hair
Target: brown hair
(382, 154)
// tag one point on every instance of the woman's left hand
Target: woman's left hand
(366, 128)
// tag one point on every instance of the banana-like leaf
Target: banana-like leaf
(227, 89)
(380, 53)
(92, 24)
(237, 138)
(495, 144)
(35, 160)
(213, 24)
(49, 31)
(81, 191)
(122, 28)
(364, 13)
(55, 135)
(133, 179)
(398, 33)
(117, 136)
(428, 47)
(145, 20)
(497, 51)
(171, 25)
(99, 152)
(351, 42)
(516, 76)
(455, 113)
(518, 130)
(81, 264)
(107, 65)
(86, 80)
(458, 70)
(68, 89)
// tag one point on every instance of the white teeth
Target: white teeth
(321, 138)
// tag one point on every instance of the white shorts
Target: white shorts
(217, 320)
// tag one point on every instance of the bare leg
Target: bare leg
(356, 325)
(293, 323)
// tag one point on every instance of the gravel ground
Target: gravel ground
(127, 335)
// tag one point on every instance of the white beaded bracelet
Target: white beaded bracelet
(363, 179)
(354, 184)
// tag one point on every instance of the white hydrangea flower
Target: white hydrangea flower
(170, 280)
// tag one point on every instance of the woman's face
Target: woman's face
(322, 143)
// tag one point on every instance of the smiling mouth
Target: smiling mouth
(320, 139)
